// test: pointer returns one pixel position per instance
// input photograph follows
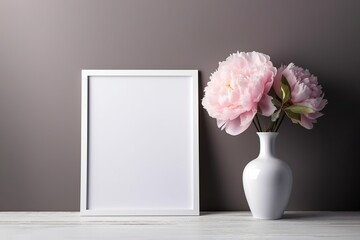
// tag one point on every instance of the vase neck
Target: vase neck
(267, 144)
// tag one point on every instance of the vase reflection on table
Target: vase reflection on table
(246, 85)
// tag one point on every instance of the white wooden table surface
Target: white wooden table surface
(210, 225)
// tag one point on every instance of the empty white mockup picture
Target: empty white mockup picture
(139, 142)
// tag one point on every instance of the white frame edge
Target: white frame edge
(85, 74)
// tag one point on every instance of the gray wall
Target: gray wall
(45, 43)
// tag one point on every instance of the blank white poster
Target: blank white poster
(141, 158)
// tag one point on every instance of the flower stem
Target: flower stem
(257, 128)
(271, 127)
(281, 120)
(258, 122)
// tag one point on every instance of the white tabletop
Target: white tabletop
(210, 225)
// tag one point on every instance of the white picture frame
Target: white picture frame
(139, 142)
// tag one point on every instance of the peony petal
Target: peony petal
(221, 124)
(300, 93)
(266, 106)
(290, 74)
(269, 81)
(315, 115)
(322, 104)
(240, 124)
(305, 122)
(277, 81)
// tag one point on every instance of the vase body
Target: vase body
(267, 181)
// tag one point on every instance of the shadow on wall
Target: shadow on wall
(222, 160)
(210, 190)
(341, 146)
(322, 159)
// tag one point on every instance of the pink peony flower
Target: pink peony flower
(238, 89)
(305, 91)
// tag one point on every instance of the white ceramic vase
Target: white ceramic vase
(267, 181)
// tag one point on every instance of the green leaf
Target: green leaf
(300, 109)
(275, 115)
(276, 102)
(295, 117)
(285, 90)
